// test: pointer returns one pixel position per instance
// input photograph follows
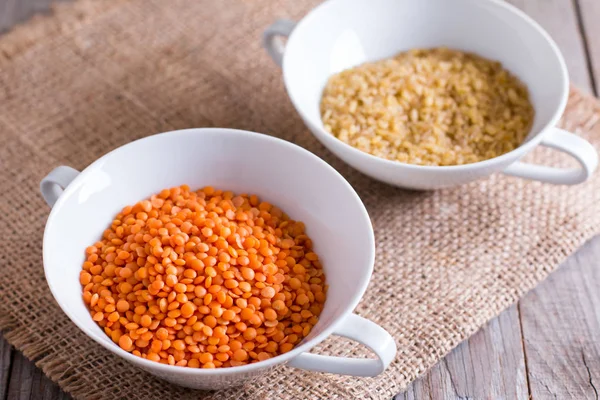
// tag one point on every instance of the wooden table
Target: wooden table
(545, 346)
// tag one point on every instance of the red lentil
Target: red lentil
(204, 279)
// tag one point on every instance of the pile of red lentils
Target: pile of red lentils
(204, 279)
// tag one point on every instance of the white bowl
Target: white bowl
(340, 34)
(300, 183)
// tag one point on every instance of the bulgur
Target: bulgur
(428, 107)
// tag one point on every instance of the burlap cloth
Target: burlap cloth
(96, 75)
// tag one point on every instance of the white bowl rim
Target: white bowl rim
(518, 152)
(153, 365)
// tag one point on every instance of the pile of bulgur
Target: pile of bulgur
(428, 107)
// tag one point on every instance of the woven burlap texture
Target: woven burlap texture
(98, 74)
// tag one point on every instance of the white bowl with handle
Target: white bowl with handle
(305, 187)
(340, 34)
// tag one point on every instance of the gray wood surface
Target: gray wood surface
(560, 320)
(490, 365)
(589, 12)
(28, 382)
(5, 363)
(561, 19)
(547, 346)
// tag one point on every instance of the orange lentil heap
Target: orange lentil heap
(204, 279)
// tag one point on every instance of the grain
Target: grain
(428, 107)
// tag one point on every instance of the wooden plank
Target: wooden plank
(561, 324)
(589, 15)
(5, 361)
(559, 18)
(490, 365)
(27, 382)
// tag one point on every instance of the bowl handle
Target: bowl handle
(363, 331)
(564, 141)
(272, 41)
(55, 182)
